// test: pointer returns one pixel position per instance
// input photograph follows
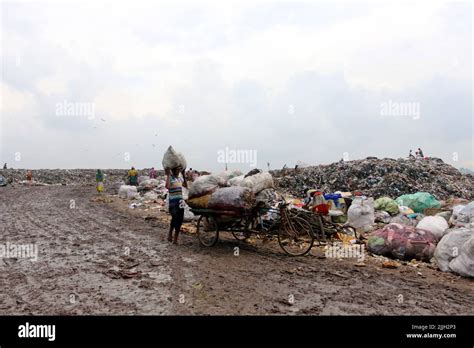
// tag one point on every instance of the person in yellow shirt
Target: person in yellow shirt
(133, 177)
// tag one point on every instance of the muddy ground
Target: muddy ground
(100, 257)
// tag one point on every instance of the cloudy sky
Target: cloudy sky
(111, 84)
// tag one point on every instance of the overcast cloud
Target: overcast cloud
(293, 81)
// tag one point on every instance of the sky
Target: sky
(111, 84)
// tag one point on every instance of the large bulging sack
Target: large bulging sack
(402, 242)
(449, 247)
(419, 201)
(236, 181)
(224, 177)
(173, 159)
(386, 204)
(258, 182)
(203, 185)
(361, 213)
(435, 224)
(463, 215)
(464, 263)
(126, 191)
(232, 198)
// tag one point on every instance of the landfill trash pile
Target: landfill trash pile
(68, 176)
(380, 177)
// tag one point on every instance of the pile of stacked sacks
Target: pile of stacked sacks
(444, 233)
(230, 190)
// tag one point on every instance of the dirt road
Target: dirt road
(95, 258)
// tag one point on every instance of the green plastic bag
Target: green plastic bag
(419, 201)
(386, 204)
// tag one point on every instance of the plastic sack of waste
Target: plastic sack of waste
(3, 181)
(449, 247)
(201, 202)
(236, 181)
(386, 204)
(419, 201)
(402, 242)
(258, 182)
(173, 159)
(126, 191)
(463, 216)
(232, 198)
(224, 177)
(435, 224)
(361, 213)
(464, 263)
(203, 185)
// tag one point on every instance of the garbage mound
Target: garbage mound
(68, 176)
(380, 177)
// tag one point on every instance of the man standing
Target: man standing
(99, 178)
(420, 152)
(174, 184)
(133, 176)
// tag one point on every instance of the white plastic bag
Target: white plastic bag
(361, 213)
(237, 181)
(127, 191)
(464, 263)
(258, 182)
(435, 224)
(449, 247)
(173, 159)
(203, 185)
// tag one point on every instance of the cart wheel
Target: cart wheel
(297, 237)
(207, 231)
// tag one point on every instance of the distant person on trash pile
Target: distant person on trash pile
(133, 177)
(420, 152)
(174, 184)
(410, 155)
(29, 177)
(152, 173)
(99, 178)
(5, 166)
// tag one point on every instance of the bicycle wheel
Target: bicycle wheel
(242, 229)
(207, 231)
(296, 237)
